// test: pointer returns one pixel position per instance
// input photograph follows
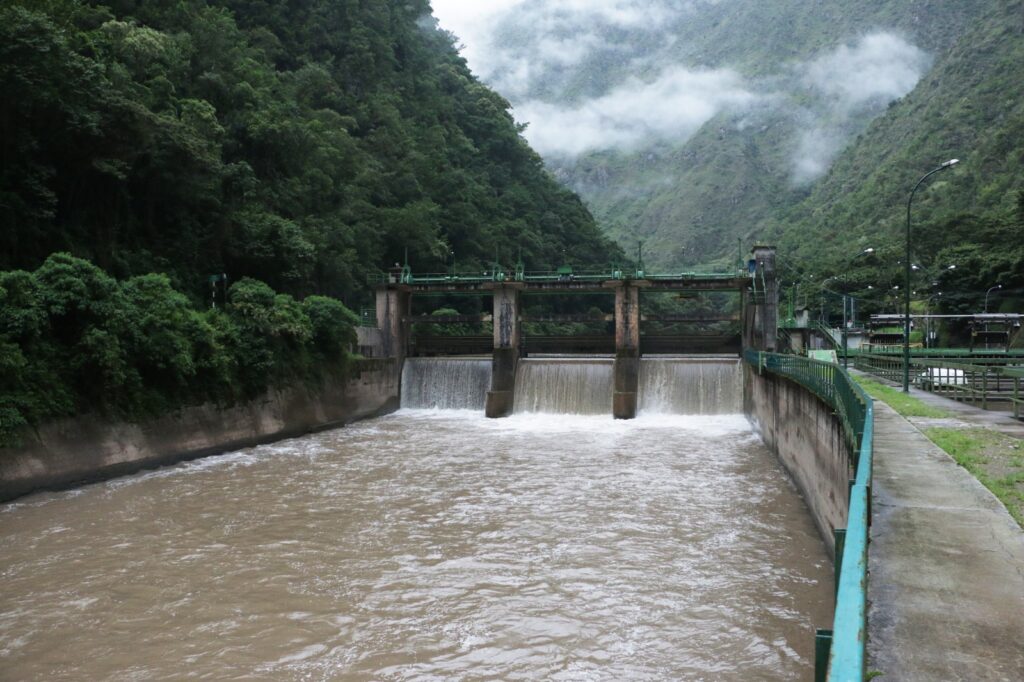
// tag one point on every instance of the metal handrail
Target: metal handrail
(409, 277)
(833, 385)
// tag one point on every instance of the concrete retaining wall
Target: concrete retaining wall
(807, 437)
(84, 449)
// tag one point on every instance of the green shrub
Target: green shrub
(75, 340)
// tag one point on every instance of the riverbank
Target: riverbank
(85, 449)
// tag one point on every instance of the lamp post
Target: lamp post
(990, 289)
(906, 292)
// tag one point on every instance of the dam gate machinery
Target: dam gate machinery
(757, 319)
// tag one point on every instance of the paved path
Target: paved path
(966, 415)
(946, 563)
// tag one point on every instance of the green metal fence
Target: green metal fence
(841, 651)
(982, 381)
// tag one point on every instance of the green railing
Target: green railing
(980, 381)
(540, 276)
(841, 651)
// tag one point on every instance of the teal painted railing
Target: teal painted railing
(847, 651)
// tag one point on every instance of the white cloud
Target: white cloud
(672, 106)
(553, 34)
(524, 48)
(880, 65)
(865, 76)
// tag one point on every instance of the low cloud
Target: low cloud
(880, 66)
(849, 81)
(534, 51)
(674, 105)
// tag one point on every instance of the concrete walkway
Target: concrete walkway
(946, 584)
(967, 415)
(964, 414)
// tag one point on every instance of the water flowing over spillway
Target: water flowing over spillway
(691, 386)
(445, 383)
(564, 385)
(431, 544)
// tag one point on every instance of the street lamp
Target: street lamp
(906, 291)
(998, 286)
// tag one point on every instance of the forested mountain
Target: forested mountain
(970, 106)
(300, 143)
(688, 124)
(149, 146)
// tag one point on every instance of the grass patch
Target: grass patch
(906, 405)
(995, 459)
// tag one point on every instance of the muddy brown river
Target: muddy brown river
(427, 545)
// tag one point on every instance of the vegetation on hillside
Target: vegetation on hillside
(970, 107)
(302, 144)
(73, 339)
(294, 147)
(692, 199)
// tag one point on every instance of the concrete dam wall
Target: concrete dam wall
(807, 437)
(89, 448)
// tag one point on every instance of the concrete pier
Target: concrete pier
(764, 334)
(627, 351)
(500, 399)
(946, 584)
(392, 309)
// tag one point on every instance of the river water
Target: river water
(427, 545)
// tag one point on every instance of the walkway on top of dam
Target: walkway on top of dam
(946, 582)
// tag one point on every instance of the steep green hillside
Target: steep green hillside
(303, 144)
(693, 198)
(971, 107)
(294, 147)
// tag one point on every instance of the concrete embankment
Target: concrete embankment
(807, 437)
(89, 448)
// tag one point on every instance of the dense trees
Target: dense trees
(294, 146)
(302, 144)
(74, 339)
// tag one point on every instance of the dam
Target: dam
(434, 543)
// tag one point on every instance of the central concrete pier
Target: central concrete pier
(626, 372)
(501, 398)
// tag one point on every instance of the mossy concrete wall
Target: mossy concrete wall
(807, 437)
(89, 448)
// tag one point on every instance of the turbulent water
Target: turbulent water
(690, 386)
(564, 385)
(427, 545)
(445, 383)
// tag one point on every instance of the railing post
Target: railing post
(984, 388)
(839, 537)
(1016, 397)
(822, 649)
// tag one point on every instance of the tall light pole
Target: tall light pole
(990, 289)
(906, 266)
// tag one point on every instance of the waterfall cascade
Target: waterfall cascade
(691, 386)
(564, 385)
(446, 383)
